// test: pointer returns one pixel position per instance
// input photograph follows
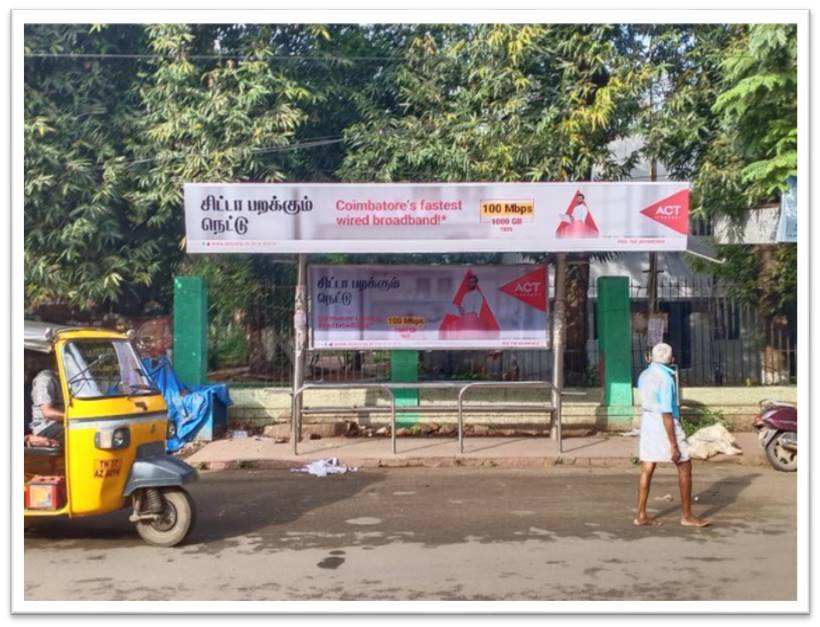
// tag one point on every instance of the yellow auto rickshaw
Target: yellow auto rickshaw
(110, 452)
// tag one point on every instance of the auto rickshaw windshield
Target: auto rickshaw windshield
(104, 368)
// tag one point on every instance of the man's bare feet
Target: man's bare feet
(642, 521)
(694, 521)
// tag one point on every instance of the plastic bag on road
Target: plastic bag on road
(323, 467)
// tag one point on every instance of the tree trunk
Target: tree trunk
(575, 364)
(260, 359)
(773, 326)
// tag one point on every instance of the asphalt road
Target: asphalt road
(438, 534)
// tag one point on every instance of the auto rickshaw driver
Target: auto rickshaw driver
(47, 408)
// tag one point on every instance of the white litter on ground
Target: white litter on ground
(631, 434)
(324, 467)
(711, 441)
(364, 520)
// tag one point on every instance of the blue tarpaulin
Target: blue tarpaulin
(189, 406)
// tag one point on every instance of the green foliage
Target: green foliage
(110, 140)
(109, 147)
(495, 103)
(214, 120)
(765, 276)
(760, 108)
(83, 246)
(690, 423)
(727, 122)
(782, 288)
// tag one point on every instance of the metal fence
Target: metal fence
(717, 341)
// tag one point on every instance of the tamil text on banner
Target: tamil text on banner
(466, 217)
(428, 307)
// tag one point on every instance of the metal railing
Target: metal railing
(717, 341)
(553, 407)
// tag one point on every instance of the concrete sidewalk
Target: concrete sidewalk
(598, 450)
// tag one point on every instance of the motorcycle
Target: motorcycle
(776, 426)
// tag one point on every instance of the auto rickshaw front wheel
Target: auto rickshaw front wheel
(174, 523)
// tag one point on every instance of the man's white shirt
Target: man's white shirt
(472, 302)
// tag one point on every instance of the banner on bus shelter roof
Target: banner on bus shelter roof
(459, 217)
(428, 307)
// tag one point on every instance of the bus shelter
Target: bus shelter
(426, 307)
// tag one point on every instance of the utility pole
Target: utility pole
(652, 282)
(558, 335)
(299, 346)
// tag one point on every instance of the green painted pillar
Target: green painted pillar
(191, 329)
(615, 345)
(404, 368)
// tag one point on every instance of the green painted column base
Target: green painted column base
(404, 368)
(615, 347)
(620, 414)
(191, 329)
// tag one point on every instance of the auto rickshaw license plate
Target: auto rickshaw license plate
(104, 468)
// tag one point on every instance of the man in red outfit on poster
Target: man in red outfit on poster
(476, 319)
(577, 221)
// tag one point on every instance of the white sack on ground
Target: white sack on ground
(711, 441)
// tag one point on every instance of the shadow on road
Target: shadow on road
(718, 496)
(229, 504)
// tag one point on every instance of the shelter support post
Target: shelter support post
(558, 335)
(299, 347)
(404, 368)
(191, 329)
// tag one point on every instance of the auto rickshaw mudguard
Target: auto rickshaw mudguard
(154, 468)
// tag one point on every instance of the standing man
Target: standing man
(473, 300)
(662, 438)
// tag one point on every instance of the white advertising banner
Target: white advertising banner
(428, 307)
(461, 217)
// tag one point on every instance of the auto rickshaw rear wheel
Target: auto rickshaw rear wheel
(174, 523)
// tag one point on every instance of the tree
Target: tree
(210, 117)
(758, 108)
(754, 147)
(80, 116)
(501, 103)
(729, 124)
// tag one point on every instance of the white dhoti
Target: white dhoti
(654, 446)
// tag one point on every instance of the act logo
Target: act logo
(529, 288)
(672, 212)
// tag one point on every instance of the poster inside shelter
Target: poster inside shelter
(429, 307)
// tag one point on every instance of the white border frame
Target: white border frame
(798, 17)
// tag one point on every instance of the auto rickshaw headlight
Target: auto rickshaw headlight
(112, 438)
(172, 430)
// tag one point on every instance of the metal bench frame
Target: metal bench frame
(553, 407)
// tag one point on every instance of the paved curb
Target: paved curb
(463, 462)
